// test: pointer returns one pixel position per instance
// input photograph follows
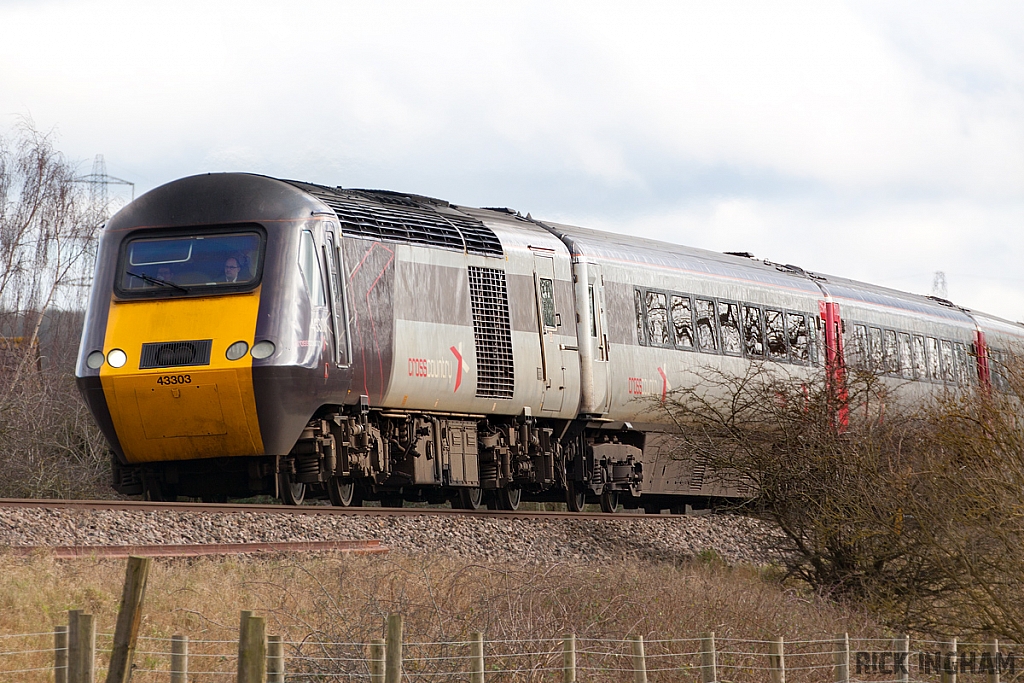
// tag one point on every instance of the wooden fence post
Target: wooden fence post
(179, 659)
(949, 661)
(777, 660)
(129, 616)
(476, 654)
(903, 648)
(60, 654)
(841, 657)
(708, 663)
(569, 659)
(393, 650)
(86, 648)
(993, 675)
(377, 660)
(252, 649)
(275, 659)
(74, 648)
(639, 661)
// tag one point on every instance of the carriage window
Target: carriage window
(948, 370)
(167, 265)
(875, 350)
(707, 329)
(547, 301)
(593, 313)
(682, 321)
(796, 326)
(753, 338)
(859, 347)
(815, 340)
(997, 371)
(638, 302)
(729, 321)
(906, 357)
(309, 264)
(920, 368)
(892, 358)
(932, 348)
(963, 367)
(775, 334)
(657, 319)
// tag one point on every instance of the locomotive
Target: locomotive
(248, 336)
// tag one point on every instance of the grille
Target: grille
(404, 218)
(175, 354)
(492, 333)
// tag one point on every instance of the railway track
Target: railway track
(65, 552)
(89, 527)
(143, 506)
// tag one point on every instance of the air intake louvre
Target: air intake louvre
(401, 218)
(175, 354)
(492, 333)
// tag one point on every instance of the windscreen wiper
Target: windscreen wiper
(156, 281)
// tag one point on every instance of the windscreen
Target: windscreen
(181, 264)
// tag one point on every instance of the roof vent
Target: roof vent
(410, 219)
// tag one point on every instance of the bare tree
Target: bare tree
(48, 446)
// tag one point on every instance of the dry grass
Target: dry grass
(344, 599)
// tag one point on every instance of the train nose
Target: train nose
(184, 390)
(177, 403)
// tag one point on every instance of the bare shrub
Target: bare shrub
(49, 445)
(912, 510)
(968, 511)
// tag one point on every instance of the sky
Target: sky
(882, 141)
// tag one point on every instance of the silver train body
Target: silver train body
(426, 351)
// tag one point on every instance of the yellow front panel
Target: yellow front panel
(189, 412)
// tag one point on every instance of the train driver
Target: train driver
(231, 269)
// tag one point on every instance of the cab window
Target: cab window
(152, 266)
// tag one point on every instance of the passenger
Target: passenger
(231, 269)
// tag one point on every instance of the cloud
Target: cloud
(867, 139)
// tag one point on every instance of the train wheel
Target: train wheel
(509, 497)
(153, 490)
(344, 493)
(609, 500)
(292, 493)
(468, 499)
(575, 496)
(391, 500)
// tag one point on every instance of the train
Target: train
(252, 336)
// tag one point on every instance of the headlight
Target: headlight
(117, 358)
(263, 349)
(237, 350)
(95, 360)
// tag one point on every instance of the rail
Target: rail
(135, 505)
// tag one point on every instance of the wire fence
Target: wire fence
(52, 656)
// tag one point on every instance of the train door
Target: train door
(602, 372)
(552, 371)
(835, 363)
(336, 297)
(592, 333)
(311, 265)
